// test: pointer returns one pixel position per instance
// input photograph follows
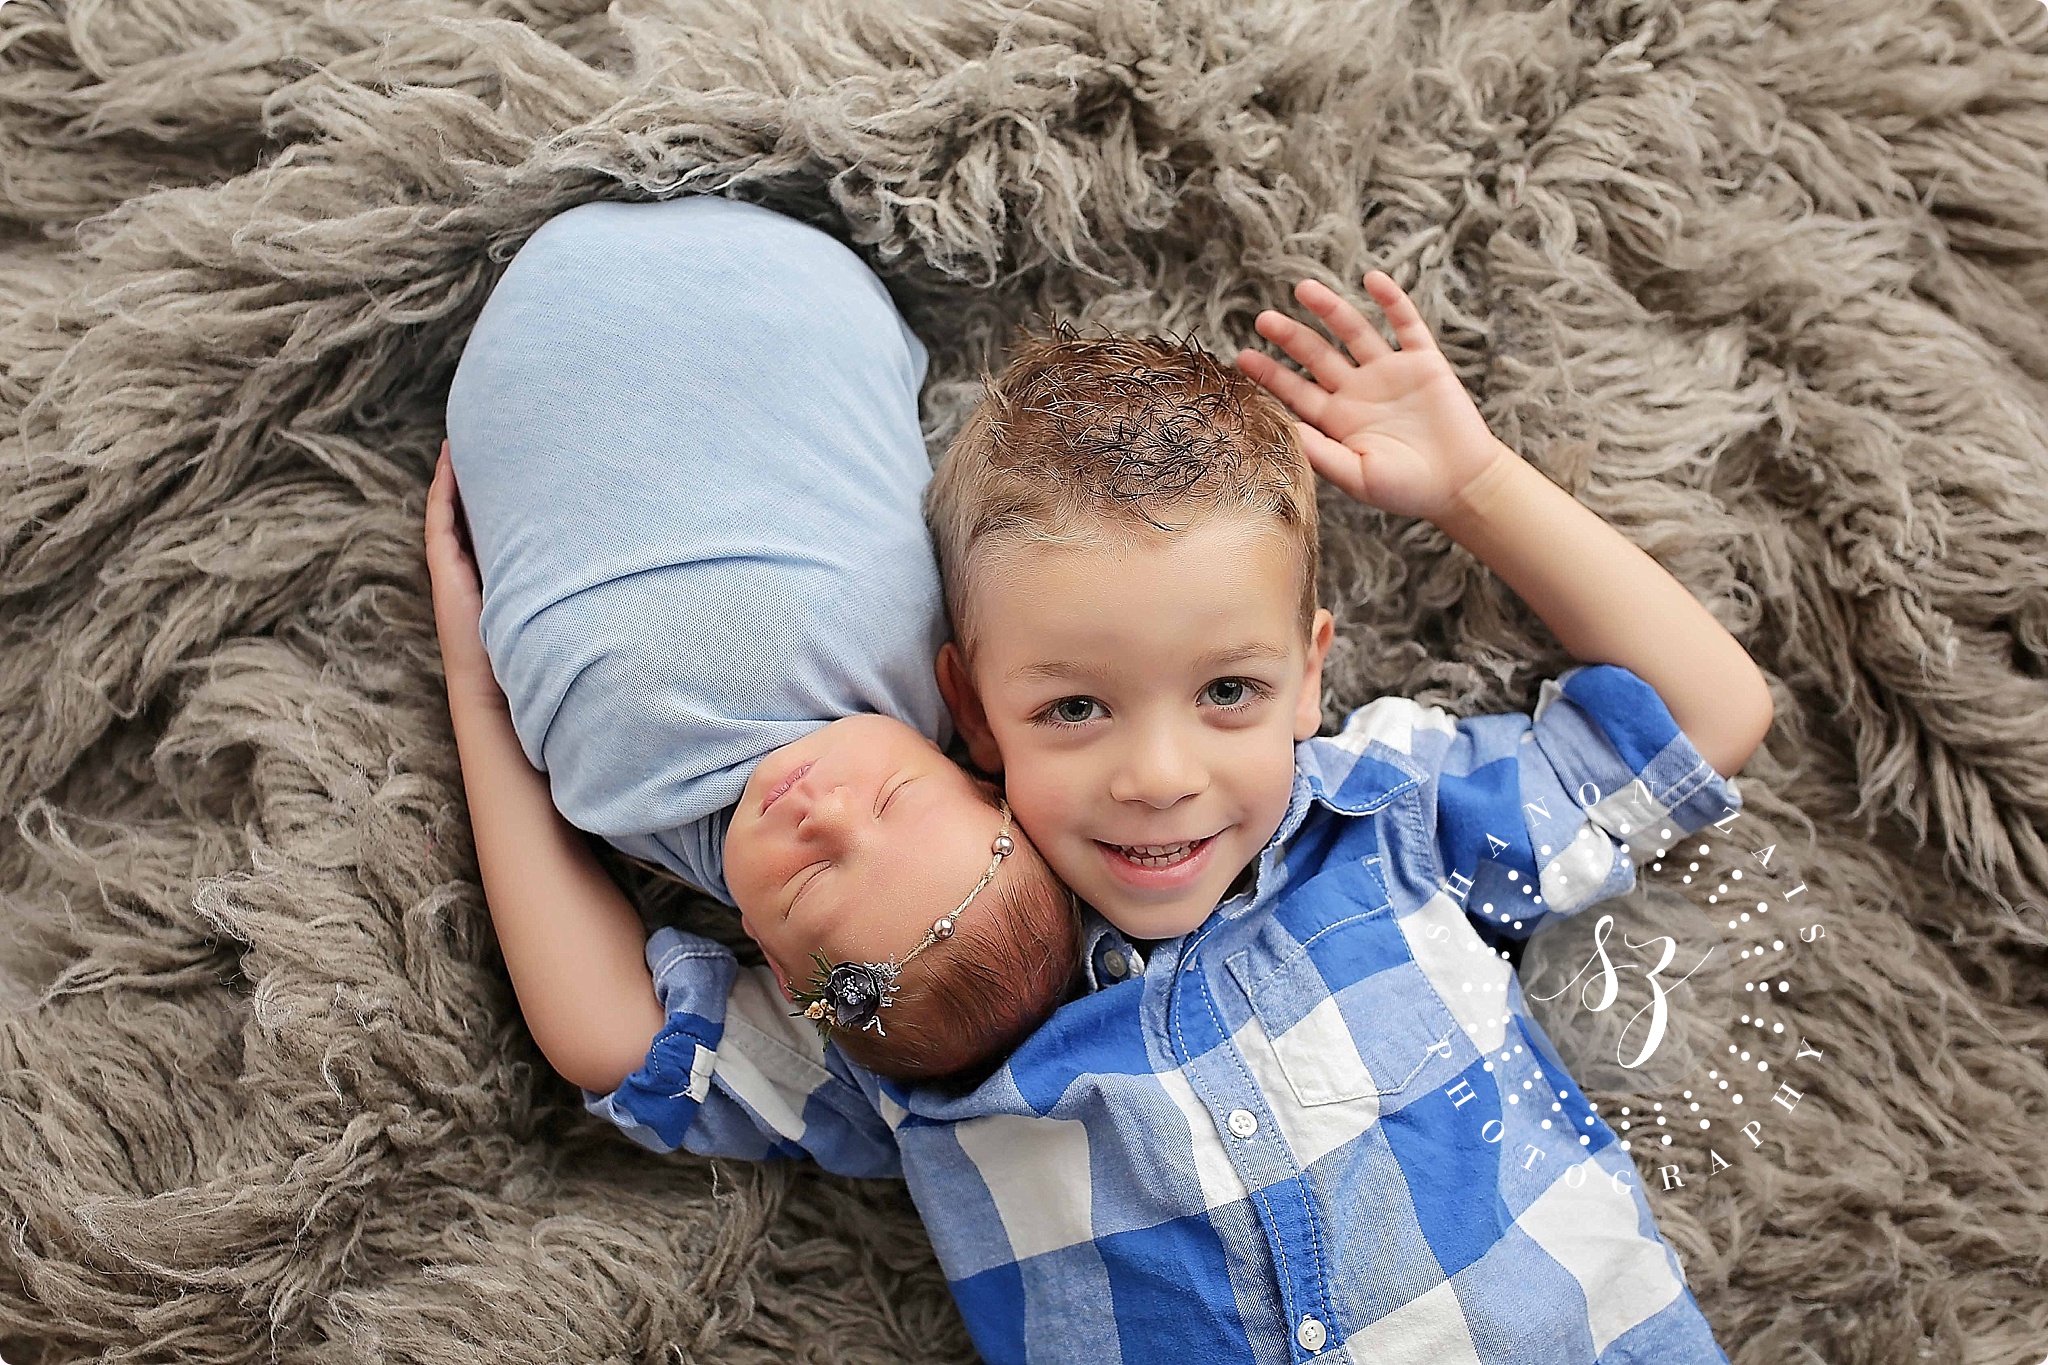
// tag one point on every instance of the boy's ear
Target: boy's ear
(1308, 714)
(965, 703)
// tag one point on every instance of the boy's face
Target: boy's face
(1142, 694)
(850, 842)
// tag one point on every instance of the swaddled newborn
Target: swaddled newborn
(686, 439)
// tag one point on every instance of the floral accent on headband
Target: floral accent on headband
(852, 995)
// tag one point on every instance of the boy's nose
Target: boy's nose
(1160, 769)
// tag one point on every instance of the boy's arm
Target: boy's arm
(1397, 430)
(1609, 602)
(735, 1073)
(573, 944)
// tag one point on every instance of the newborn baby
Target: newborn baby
(686, 439)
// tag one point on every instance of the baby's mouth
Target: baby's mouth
(785, 784)
(1158, 855)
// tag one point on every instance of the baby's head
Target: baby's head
(851, 843)
(1126, 531)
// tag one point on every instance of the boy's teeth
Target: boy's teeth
(1156, 855)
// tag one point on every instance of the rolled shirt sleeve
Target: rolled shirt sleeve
(732, 1073)
(1542, 815)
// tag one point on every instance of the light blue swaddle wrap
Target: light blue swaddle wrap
(685, 435)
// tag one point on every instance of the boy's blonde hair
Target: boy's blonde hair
(1078, 432)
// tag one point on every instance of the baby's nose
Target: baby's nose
(829, 818)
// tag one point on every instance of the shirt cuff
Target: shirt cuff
(1617, 750)
(655, 1105)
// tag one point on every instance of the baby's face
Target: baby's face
(850, 842)
(1146, 694)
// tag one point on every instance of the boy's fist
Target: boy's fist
(458, 594)
(1396, 430)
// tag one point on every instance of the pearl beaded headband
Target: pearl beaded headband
(852, 995)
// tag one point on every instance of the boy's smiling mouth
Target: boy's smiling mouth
(1157, 866)
(1158, 855)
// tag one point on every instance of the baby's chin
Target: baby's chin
(865, 730)
(890, 744)
(869, 728)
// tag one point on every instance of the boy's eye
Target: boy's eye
(1231, 693)
(1072, 710)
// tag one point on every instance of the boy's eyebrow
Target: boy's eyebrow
(1238, 654)
(1053, 669)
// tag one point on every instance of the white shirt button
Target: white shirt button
(1311, 1335)
(1243, 1123)
(1114, 965)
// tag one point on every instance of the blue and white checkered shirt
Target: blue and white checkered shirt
(1322, 1125)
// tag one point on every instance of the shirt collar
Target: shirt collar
(1352, 781)
(1326, 773)
(1107, 957)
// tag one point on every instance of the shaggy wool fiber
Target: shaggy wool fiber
(1763, 282)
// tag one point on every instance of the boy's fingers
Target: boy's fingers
(447, 546)
(1409, 328)
(442, 503)
(1307, 346)
(444, 492)
(1334, 460)
(1304, 398)
(1346, 323)
(460, 517)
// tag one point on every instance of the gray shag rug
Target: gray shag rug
(1765, 284)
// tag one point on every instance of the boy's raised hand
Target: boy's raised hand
(1396, 429)
(458, 595)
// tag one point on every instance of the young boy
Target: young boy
(1298, 1109)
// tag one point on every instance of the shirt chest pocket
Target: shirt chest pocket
(1338, 994)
